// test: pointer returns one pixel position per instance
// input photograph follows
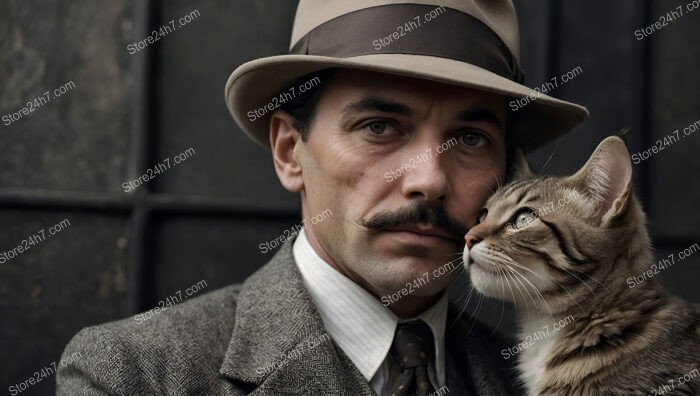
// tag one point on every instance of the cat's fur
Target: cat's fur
(574, 259)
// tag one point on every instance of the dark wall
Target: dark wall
(203, 219)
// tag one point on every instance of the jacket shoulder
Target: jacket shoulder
(177, 348)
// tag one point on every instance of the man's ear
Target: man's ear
(607, 178)
(284, 144)
(521, 168)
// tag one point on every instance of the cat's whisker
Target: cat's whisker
(476, 314)
(536, 290)
(592, 278)
(498, 181)
(469, 297)
(475, 182)
(524, 252)
(580, 280)
(464, 296)
(534, 304)
(539, 276)
(503, 305)
(508, 260)
(570, 296)
(460, 297)
(458, 267)
(546, 164)
(510, 275)
(515, 304)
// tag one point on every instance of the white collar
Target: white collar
(356, 320)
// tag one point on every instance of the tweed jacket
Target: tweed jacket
(264, 337)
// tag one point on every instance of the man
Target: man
(400, 138)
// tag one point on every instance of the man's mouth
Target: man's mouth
(425, 232)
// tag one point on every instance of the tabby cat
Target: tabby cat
(563, 249)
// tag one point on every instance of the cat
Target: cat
(588, 331)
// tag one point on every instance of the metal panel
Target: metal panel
(76, 277)
(675, 106)
(76, 140)
(193, 65)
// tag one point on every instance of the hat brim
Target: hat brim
(254, 84)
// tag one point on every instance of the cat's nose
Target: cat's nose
(472, 239)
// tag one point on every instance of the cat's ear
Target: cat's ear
(607, 178)
(521, 168)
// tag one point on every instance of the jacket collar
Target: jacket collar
(279, 344)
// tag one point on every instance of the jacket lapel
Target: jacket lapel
(279, 344)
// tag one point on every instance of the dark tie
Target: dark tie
(413, 349)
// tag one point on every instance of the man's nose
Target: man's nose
(472, 239)
(427, 179)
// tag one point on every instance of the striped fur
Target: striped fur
(571, 259)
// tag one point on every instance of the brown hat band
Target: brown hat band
(441, 32)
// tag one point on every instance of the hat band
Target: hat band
(415, 29)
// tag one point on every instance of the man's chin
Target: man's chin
(412, 291)
(419, 277)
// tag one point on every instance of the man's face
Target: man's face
(404, 165)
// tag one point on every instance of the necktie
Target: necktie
(413, 349)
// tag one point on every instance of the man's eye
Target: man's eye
(471, 139)
(377, 127)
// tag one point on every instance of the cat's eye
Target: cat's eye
(524, 218)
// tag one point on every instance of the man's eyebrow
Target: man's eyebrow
(375, 103)
(480, 115)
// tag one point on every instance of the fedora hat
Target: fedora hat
(468, 43)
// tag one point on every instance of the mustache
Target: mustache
(419, 212)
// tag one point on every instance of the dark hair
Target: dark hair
(512, 142)
(302, 107)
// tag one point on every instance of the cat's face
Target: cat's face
(539, 238)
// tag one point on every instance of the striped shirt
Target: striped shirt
(360, 324)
